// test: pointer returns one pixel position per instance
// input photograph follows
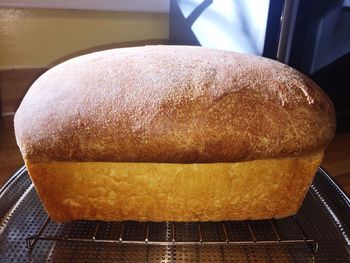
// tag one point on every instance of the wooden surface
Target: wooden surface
(10, 157)
(336, 161)
(14, 84)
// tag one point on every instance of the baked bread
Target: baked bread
(173, 133)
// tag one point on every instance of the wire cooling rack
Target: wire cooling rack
(318, 233)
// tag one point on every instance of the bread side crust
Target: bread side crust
(257, 189)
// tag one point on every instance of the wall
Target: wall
(321, 35)
(32, 40)
(155, 6)
(236, 25)
(321, 49)
(38, 37)
(336, 43)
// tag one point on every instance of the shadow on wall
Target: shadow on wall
(181, 32)
(334, 79)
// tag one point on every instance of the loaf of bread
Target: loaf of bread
(173, 133)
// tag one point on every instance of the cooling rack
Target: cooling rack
(318, 233)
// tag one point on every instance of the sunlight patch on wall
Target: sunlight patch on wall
(237, 25)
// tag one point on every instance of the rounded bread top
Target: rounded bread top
(173, 104)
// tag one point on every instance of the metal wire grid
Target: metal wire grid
(324, 217)
(263, 232)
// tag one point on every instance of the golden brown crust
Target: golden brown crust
(172, 104)
(173, 192)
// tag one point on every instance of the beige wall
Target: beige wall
(32, 38)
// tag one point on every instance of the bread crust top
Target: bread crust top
(173, 104)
